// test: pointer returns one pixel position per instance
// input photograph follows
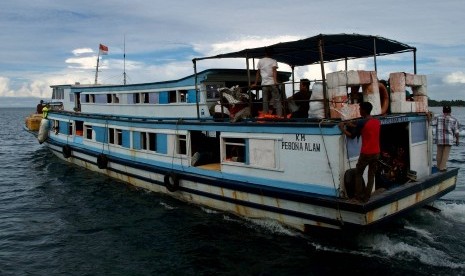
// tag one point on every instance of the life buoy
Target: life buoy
(171, 182)
(66, 151)
(384, 98)
(102, 161)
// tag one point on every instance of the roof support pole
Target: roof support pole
(196, 88)
(346, 64)
(249, 79)
(374, 53)
(415, 61)
(323, 77)
(293, 79)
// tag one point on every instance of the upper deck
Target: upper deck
(197, 96)
(191, 97)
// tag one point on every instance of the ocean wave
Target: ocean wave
(272, 226)
(400, 249)
(167, 206)
(454, 211)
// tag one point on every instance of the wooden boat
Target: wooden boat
(202, 138)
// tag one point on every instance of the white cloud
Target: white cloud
(455, 77)
(5, 87)
(78, 52)
(82, 62)
(240, 44)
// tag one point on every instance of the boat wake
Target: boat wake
(271, 226)
(451, 210)
(408, 250)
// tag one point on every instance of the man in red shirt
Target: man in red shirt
(369, 129)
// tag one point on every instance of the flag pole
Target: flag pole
(96, 69)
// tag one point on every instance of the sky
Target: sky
(49, 42)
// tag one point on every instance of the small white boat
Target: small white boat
(172, 137)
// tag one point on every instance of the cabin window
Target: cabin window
(71, 97)
(112, 98)
(148, 141)
(143, 140)
(70, 128)
(58, 93)
(212, 90)
(181, 144)
(182, 96)
(152, 142)
(88, 131)
(79, 128)
(235, 149)
(89, 98)
(115, 136)
(111, 135)
(119, 137)
(145, 97)
(136, 97)
(56, 126)
(172, 96)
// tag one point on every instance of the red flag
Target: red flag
(103, 50)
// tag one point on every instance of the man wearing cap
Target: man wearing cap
(447, 133)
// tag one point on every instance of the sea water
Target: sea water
(60, 219)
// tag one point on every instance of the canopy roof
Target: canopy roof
(335, 47)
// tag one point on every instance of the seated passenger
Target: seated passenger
(299, 103)
(221, 111)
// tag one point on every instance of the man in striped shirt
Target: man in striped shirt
(447, 133)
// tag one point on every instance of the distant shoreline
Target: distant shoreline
(450, 103)
(29, 102)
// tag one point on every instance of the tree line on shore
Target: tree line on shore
(442, 103)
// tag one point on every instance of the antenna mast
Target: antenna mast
(124, 61)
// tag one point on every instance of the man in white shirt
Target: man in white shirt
(267, 70)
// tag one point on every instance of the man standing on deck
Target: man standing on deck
(369, 129)
(267, 70)
(447, 128)
(39, 107)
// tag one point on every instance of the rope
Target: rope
(330, 168)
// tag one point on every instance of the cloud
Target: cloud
(455, 77)
(82, 62)
(78, 52)
(36, 88)
(161, 42)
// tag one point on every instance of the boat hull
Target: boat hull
(296, 209)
